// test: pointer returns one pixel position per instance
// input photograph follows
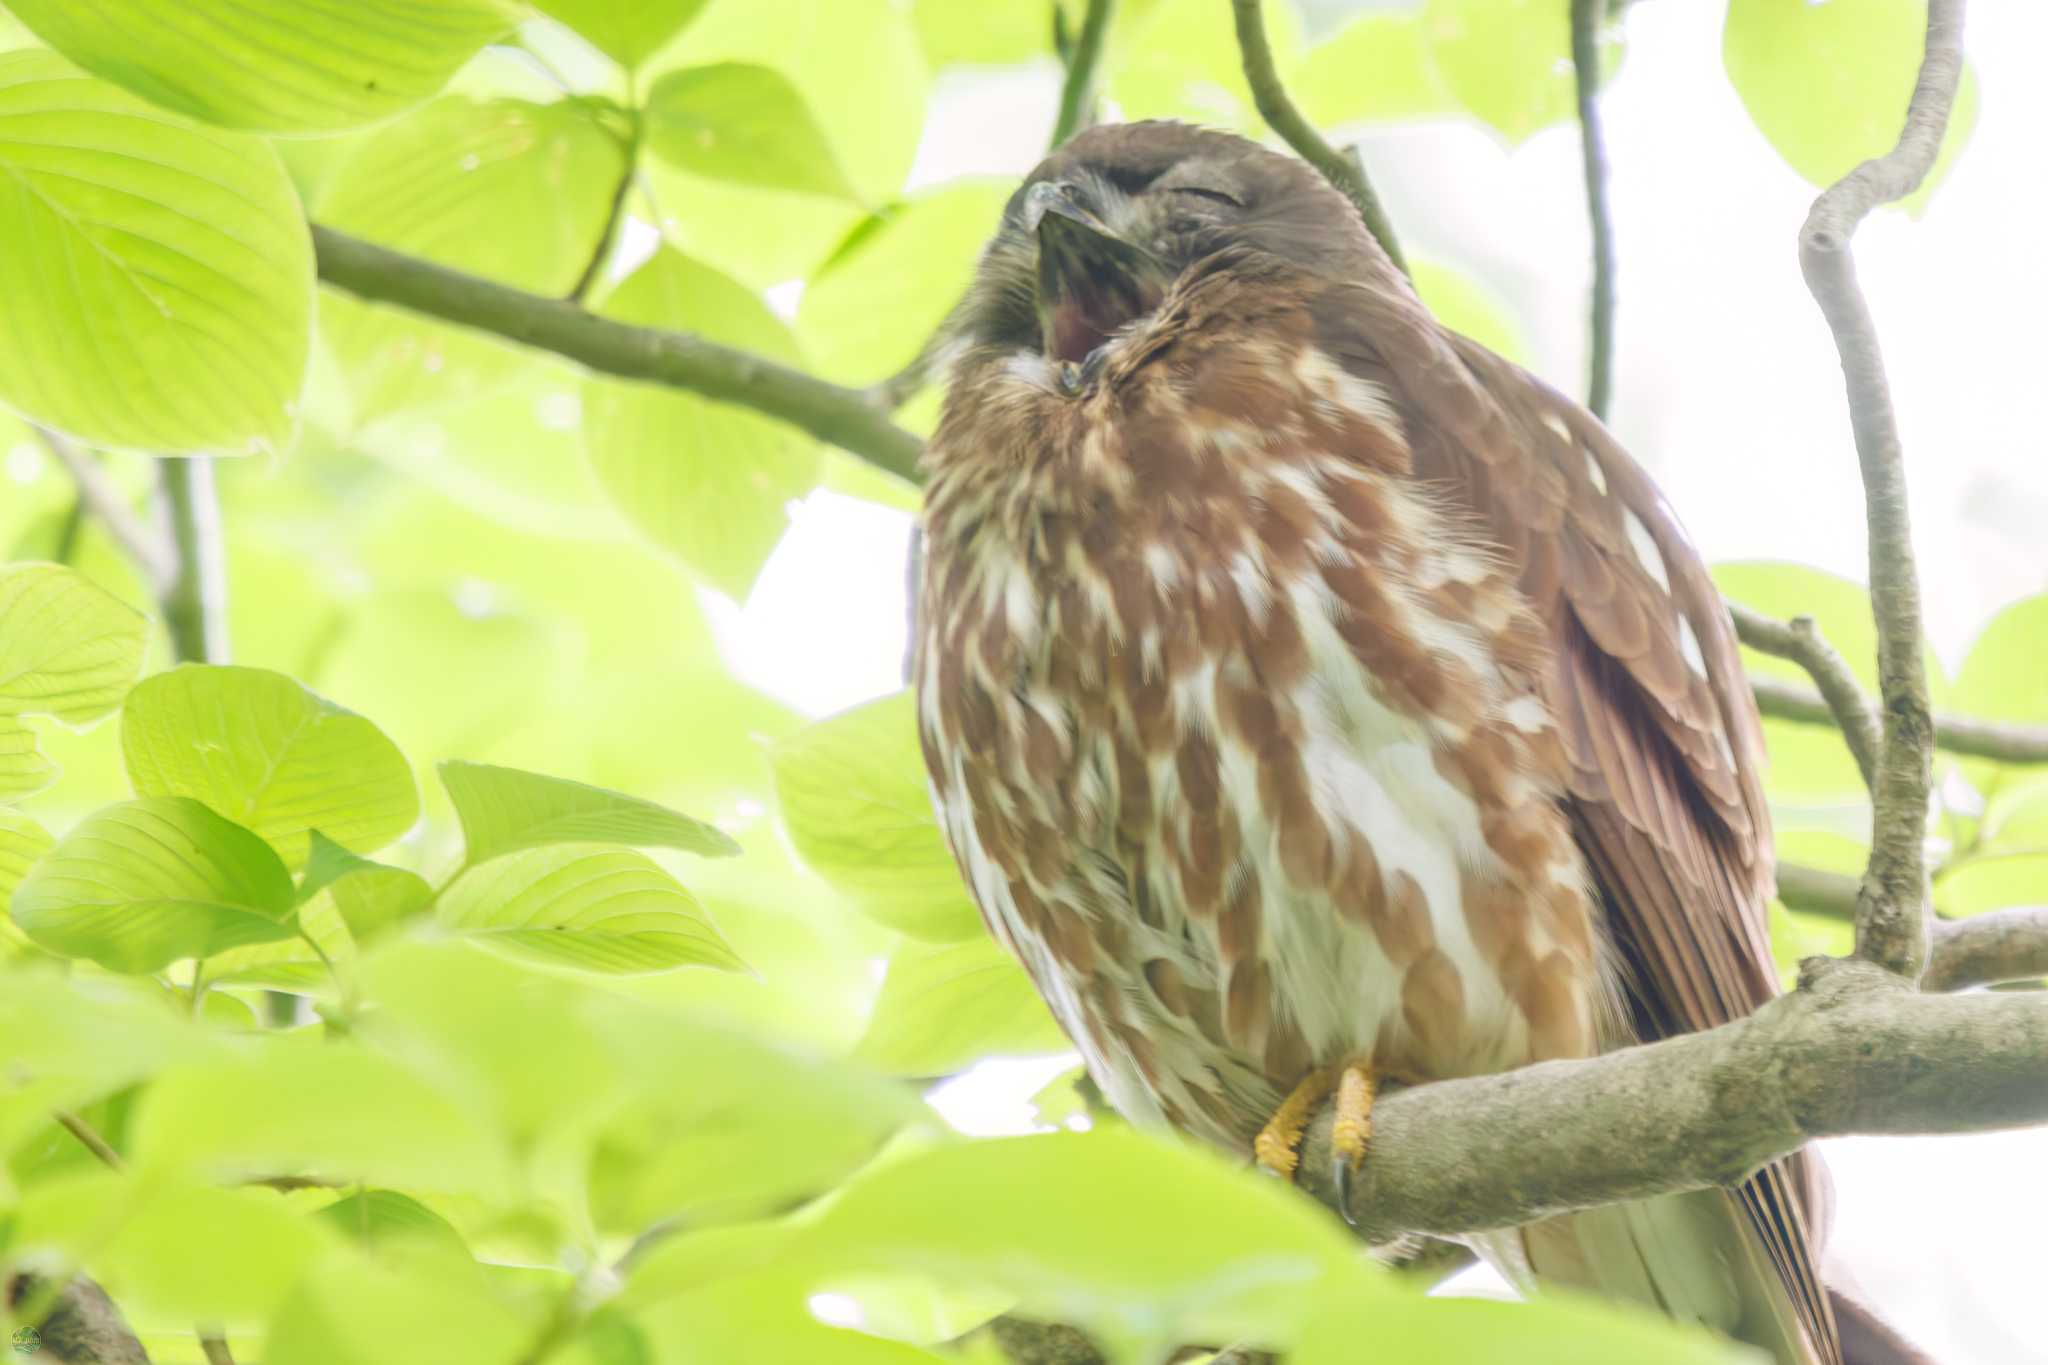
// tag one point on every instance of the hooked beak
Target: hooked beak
(1091, 282)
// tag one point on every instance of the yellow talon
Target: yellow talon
(1278, 1145)
(1353, 1128)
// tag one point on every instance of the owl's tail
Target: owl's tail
(1689, 1256)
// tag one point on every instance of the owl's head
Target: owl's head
(1095, 236)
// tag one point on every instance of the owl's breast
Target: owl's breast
(1235, 739)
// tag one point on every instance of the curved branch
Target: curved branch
(844, 417)
(1891, 924)
(1800, 641)
(1077, 92)
(151, 553)
(1347, 173)
(1593, 153)
(1853, 1050)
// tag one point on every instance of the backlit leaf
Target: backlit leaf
(137, 886)
(854, 799)
(504, 809)
(68, 648)
(271, 756)
(628, 32)
(944, 1007)
(706, 481)
(740, 122)
(613, 911)
(158, 274)
(274, 66)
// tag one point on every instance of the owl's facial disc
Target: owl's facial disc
(1091, 282)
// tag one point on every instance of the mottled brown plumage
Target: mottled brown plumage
(1301, 683)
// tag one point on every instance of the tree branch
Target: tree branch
(1077, 92)
(148, 551)
(1586, 16)
(1800, 641)
(195, 599)
(844, 417)
(1958, 734)
(1891, 927)
(81, 1326)
(1853, 1050)
(1988, 949)
(1347, 173)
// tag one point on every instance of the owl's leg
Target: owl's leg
(1278, 1145)
(1356, 1090)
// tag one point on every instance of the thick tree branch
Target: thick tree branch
(1800, 641)
(1347, 173)
(844, 417)
(1891, 927)
(195, 599)
(81, 1325)
(1077, 92)
(1958, 734)
(1586, 16)
(1854, 1050)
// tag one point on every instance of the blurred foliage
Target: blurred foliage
(598, 1050)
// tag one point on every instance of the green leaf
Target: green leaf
(1827, 84)
(1809, 764)
(879, 302)
(67, 648)
(269, 755)
(990, 33)
(858, 66)
(409, 1305)
(1376, 69)
(942, 1008)
(504, 809)
(614, 911)
(627, 33)
(706, 481)
(1180, 59)
(373, 1218)
(369, 896)
(855, 802)
(22, 842)
(177, 1249)
(24, 769)
(1509, 62)
(273, 66)
(139, 885)
(1993, 881)
(323, 1108)
(1559, 1328)
(1149, 1240)
(743, 123)
(158, 274)
(2002, 678)
(513, 191)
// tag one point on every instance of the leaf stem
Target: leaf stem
(1593, 152)
(1077, 92)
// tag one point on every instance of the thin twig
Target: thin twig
(614, 215)
(151, 554)
(1077, 92)
(1800, 641)
(1891, 927)
(1784, 700)
(88, 1137)
(216, 1347)
(1586, 16)
(847, 418)
(1345, 172)
(195, 600)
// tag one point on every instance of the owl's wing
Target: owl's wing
(1645, 684)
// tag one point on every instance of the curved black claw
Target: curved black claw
(1340, 1178)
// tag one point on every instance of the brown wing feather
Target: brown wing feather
(1660, 731)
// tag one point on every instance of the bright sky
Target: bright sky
(1728, 391)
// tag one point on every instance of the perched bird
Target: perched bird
(1313, 699)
